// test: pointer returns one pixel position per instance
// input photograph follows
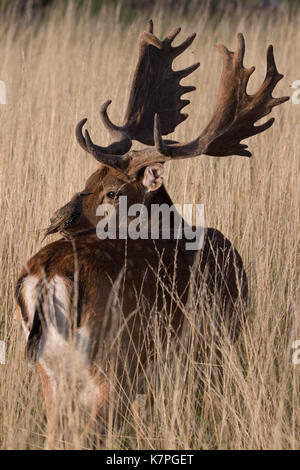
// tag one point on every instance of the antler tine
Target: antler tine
(162, 152)
(236, 112)
(147, 38)
(79, 136)
(271, 79)
(122, 143)
(176, 51)
(231, 59)
(159, 143)
(172, 35)
(180, 74)
(150, 26)
(240, 53)
(105, 118)
(165, 151)
(99, 153)
(113, 161)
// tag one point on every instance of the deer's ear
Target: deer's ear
(153, 177)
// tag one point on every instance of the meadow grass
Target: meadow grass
(62, 69)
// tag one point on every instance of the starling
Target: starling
(66, 216)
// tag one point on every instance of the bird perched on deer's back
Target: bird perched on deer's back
(67, 216)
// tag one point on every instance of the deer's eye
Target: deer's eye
(112, 195)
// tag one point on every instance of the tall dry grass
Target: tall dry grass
(60, 71)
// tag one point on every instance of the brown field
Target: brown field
(63, 70)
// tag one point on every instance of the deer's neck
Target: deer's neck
(162, 197)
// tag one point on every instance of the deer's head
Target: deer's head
(107, 185)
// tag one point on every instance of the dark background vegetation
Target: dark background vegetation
(132, 8)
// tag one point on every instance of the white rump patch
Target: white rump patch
(64, 352)
(29, 294)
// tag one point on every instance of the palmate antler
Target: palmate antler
(235, 113)
(233, 119)
(155, 89)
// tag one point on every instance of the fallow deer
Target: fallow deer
(66, 291)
